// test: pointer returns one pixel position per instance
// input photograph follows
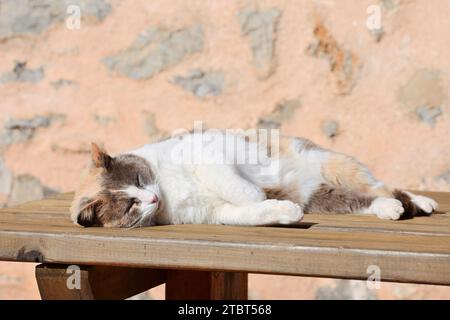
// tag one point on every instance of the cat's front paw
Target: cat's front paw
(425, 204)
(281, 212)
(386, 208)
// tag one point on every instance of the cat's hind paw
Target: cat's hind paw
(427, 205)
(386, 208)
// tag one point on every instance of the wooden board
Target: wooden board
(95, 282)
(339, 246)
(204, 285)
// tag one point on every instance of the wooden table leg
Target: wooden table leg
(204, 285)
(58, 282)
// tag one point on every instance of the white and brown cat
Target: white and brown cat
(217, 177)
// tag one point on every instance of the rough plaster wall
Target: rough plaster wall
(137, 70)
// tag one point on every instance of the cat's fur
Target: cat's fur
(213, 178)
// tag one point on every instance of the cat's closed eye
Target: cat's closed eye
(139, 183)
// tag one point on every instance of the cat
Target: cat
(217, 177)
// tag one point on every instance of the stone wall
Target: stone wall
(137, 70)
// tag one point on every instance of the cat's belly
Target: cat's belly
(187, 203)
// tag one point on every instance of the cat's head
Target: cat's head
(116, 191)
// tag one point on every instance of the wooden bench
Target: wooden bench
(212, 262)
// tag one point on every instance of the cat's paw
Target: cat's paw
(281, 211)
(425, 204)
(386, 208)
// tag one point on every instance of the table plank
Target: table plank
(341, 246)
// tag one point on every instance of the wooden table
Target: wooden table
(212, 262)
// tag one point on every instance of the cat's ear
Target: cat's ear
(87, 215)
(100, 158)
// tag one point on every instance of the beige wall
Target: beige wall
(311, 67)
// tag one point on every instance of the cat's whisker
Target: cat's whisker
(138, 222)
(133, 225)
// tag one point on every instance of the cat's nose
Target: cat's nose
(154, 199)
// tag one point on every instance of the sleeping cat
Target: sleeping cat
(218, 177)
